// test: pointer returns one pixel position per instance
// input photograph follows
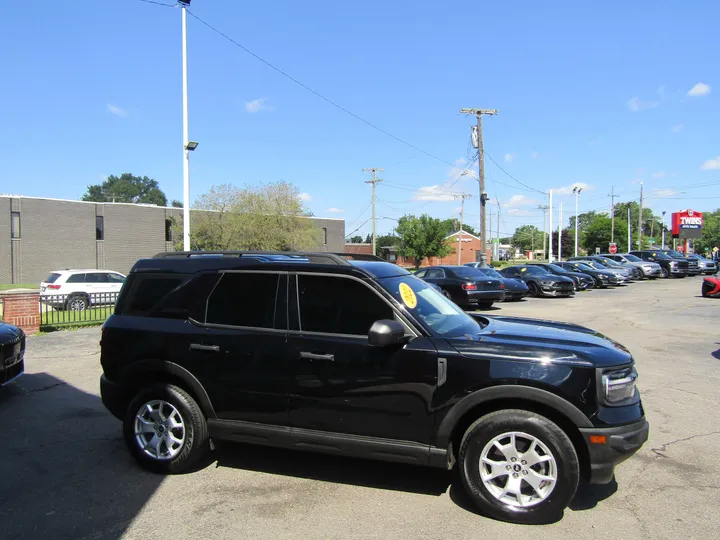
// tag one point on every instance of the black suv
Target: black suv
(360, 358)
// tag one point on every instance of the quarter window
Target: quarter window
(244, 299)
(339, 306)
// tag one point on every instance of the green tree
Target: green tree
(176, 204)
(385, 240)
(265, 217)
(421, 238)
(527, 237)
(127, 188)
(357, 239)
(567, 241)
(452, 225)
(710, 233)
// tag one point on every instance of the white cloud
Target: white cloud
(258, 105)
(677, 128)
(519, 200)
(658, 174)
(509, 158)
(535, 155)
(305, 197)
(518, 212)
(567, 190)
(664, 193)
(635, 104)
(700, 89)
(334, 210)
(433, 193)
(117, 111)
(711, 164)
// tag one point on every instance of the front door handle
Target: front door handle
(200, 347)
(314, 356)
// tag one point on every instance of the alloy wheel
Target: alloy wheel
(159, 430)
(518, 469)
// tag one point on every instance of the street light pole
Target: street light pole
(576, 191)
(663, 229)
(186, 136)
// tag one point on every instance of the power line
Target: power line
(512, 177)
(315, 92)
(159, 3)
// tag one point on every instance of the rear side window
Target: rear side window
(339, 306)
(52, 278)
(76, 278)
(149, 291)
(244, 299)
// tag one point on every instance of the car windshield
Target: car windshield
(491, 272)
(440, 316)
(534, 270)
(675, 254)
(661, 256)
(609, 263)
(555, 268)
(584, 266)
(632, 258)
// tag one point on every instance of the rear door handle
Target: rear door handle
(200, 347)
(314, 356)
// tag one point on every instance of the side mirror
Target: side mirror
(386, 332)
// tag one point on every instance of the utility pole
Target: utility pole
(497, 250)
(560, 221)
(544, 208)
(612, 216)
(576, 191)
(629, 230)
(640, 218)
(462, 197)
(374, 181)
(481, 169)
(186, 137)
(550, 228)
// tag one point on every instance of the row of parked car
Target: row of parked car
(476, 286)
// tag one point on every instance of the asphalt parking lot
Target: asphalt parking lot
(65, 473)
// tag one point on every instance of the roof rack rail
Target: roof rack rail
(360, 257)
(312, 257)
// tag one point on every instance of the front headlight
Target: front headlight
(619, 385)
(603, 277)
(674, 264)
(547, 283)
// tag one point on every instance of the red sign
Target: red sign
(687, 224)
(613, 248)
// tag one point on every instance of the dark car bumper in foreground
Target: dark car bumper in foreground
(113, 397)
(608, 447)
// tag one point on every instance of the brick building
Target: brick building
(470, 250)
(38, 235)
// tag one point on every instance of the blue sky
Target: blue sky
(600, 94)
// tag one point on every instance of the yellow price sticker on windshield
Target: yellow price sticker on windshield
(523, 269)
(408, 296)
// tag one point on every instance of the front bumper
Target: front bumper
(558, 290)
(619, 444)
(113, 397)
(652, 272)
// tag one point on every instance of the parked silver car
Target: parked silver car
(649, 270)
(706, 266)
(624, 275)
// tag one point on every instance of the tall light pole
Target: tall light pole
(576, 191)
(550, 228)
(544, 208)
(560, 222)
(663, 229)
(373, 181)
(186, 137)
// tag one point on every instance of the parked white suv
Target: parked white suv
(76, 290)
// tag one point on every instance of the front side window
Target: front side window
(96, 277)
(335, 305)
(435, 273)
(244, 299)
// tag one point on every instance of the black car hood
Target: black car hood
(580, 275)
(532, 340)
(9, 333)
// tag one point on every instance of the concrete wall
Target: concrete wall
(59, 234)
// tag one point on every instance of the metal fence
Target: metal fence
(76, 309)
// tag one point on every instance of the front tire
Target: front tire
(165, 430)
(518, 466)
(534, 289)
(664, 273)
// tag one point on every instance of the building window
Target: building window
(14, 224)
(99, 228)
(168, 230)
(324, 236)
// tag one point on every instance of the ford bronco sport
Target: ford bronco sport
(319, 352)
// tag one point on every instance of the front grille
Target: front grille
(10, 352)
(11, 372)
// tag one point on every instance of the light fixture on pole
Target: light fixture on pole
(576, 192)
(187, 145)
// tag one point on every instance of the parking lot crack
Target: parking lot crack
(42, 389)
(662, 448)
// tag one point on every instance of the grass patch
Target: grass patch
(8, 286)
(51, 319)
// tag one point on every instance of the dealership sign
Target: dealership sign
(687, 224)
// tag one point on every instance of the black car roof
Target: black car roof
(365, 266)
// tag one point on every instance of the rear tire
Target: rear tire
(165, 430)
(529, 478)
